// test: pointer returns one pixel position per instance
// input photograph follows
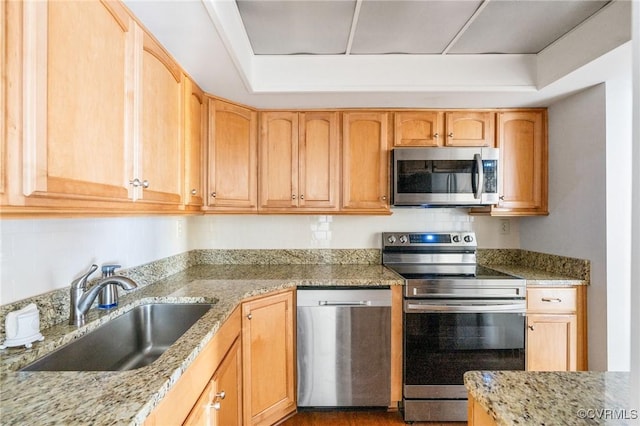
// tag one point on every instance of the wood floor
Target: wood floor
(355, 418)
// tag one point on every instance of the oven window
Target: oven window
(441, 347)
(434, 176)
(443, 176)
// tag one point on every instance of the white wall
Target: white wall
(38, 256)
(589, 151)
(339, 232)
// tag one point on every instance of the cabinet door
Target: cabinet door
(467, 128)
(268, 361)
(424, 128)
(160, 144)
(221, 402)
(278, 156)
(551, 342)
(233, 152)
(76, 141)
(319, 161)
(365, 162)
(523, 159)
(195, 119)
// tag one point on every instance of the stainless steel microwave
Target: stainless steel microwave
(445, 176)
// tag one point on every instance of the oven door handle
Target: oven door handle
(518, 307)
(477, 185)
(345, 303)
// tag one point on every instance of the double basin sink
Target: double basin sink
(133, 340)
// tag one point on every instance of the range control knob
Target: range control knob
(403, 239)
(468, 239)
(391, 239)
(456, 238)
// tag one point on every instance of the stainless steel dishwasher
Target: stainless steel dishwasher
(344, 347)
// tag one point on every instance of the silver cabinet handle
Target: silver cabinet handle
(249, 316)
(215, 406)
(221, 394)
(302, 196)
(551, 299)
(194, 192)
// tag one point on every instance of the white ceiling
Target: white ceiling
(393, 53)
(411, 27)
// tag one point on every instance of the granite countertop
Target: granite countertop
(128, 397)
(538, 277)
(559, 398)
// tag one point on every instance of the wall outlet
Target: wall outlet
(505, 227)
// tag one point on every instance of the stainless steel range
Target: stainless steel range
(458, 316)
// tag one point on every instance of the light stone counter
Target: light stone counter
(553, 398)
(114, 398)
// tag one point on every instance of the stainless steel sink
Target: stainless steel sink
(132, 340)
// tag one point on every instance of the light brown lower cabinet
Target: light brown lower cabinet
(217, 369)
(221, 402)
(556, 329)
(268, 358)
(244, 376)
(476, 415)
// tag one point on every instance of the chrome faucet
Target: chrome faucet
(82, 299)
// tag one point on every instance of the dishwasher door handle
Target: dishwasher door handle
(345, 303)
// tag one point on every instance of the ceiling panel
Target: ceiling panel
(420, 27)
(519, 26)
(295, 27)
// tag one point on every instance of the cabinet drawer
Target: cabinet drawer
(551, 300)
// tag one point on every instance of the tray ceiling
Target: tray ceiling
(360, 27)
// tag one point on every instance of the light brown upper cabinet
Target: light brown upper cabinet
(522, 139)
(233, 151)
(69, 136)
(365, 162)
(299, 161)
(194, 137)
(96, 111)
(439, 128)
(470, 128)
(419, 128)
(161, 144)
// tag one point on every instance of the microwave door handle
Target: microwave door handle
(477, 188)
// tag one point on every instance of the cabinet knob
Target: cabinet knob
(215, 406)
(293, 196)
(532, 328)
(501, 198)
(213, 194)
(436, 135)
(302, 196)
(137, 182)
(249, 316)
(450, 135)
(221, 394)
(384, 198)
(194, 192)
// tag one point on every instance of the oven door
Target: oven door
(443, 340)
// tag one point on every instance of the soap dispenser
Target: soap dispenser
(108, 297)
